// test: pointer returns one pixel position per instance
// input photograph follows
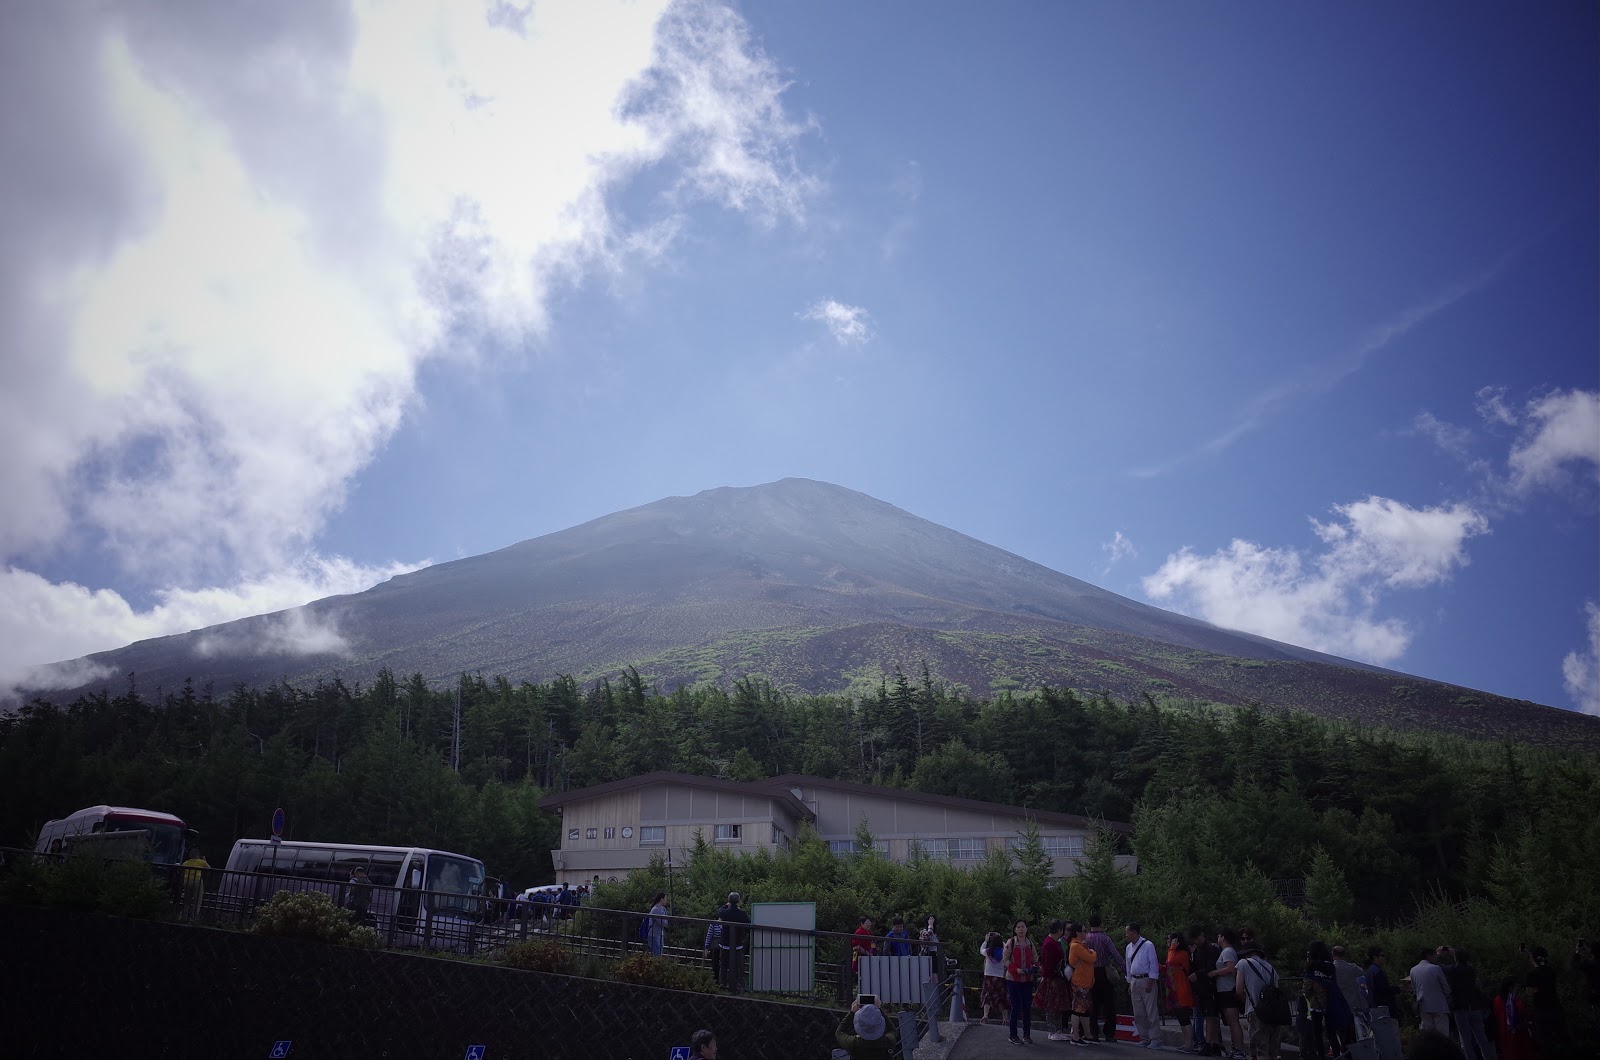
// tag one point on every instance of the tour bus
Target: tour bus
(99, 829)
(416, 893)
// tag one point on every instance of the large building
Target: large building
(611, 829)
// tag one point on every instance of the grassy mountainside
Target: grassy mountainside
(812, 585)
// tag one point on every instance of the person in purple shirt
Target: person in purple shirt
(1108, 970)
(899, 938)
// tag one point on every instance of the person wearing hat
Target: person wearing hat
(865, 1033)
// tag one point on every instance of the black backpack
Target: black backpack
(1272, 1004)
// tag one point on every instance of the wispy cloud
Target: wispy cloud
(1327, 600)
(1117, 549)
(1323, 375)
(45, 621)
(1492, 406)
(850, 325)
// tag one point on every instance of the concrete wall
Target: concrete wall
(81, 984)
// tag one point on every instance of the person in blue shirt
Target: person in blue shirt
(899, 938)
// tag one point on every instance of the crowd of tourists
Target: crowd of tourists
(1230, 999)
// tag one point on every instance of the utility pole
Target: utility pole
(455, 734)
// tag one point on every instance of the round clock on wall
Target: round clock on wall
(627, 832)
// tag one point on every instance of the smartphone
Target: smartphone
(866, 999)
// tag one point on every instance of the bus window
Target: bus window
(345, 863)
(385, 867)
(278, 860)
(455, 876)
(313, 864)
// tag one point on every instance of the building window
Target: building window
(850, 846)
(591, 833)
(937, 849)
(1057, 846)
(967, 849)
(653, 836)
(572, 835)
(729, 833)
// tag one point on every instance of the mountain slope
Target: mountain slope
(812, 586)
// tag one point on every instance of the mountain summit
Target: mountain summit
(814, 587)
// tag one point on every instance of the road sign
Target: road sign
(474, 1052)
(680, 1052)
(280, 1049)
(277, 822)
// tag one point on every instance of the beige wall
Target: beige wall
(682, 809)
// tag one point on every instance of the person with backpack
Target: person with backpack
(1266, 1007)
(1326, 1010)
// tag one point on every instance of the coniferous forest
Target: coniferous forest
(1234, 809)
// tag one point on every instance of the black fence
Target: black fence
(764, 961)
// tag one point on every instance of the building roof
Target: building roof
(760, 788)
(779, 788)
(1045, 817)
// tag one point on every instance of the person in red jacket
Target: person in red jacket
(861, 944)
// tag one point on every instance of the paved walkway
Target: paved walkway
(989, 1043)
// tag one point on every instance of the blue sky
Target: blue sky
(1282, 316)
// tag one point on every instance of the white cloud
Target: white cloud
(1326, 600)
(1581, 669)
(234, 232)
(1561, 428)
(849, 325)
(47, 621)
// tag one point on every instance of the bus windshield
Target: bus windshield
(453, 876)
(166, 840)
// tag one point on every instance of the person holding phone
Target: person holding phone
(865, 1033)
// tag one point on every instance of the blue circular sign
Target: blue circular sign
(277, 822)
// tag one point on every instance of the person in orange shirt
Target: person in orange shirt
(1080, 958)
(1180, 989)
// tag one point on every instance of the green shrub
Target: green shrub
(311, 915)
(538, 955)
(644, 969)
(89, 884)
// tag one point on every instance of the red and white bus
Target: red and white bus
(167, 835)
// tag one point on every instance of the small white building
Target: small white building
(610, 829)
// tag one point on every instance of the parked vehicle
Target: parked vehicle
(118, 832)
(414, 893)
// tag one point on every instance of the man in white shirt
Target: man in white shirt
(1428, 982)
(1144, 973)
